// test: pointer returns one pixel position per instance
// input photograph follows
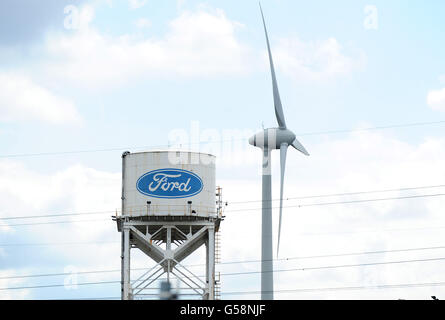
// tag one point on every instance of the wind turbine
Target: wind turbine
(269, 139)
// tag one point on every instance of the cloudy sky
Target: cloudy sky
(362, 85)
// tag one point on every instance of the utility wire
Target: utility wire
(368, 231)
(349, 288)
(335, 266)
(298, 234)
(415, 124)
(59, 285)
(345, 193)
(254, 209)
(54, 222)
(54, 244)
(346, 202)
(242, 273)
(250, 201)
(371, 287)
(340, 255)
(58, 215)
(282, 270)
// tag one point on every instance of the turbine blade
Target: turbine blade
(283, 152)
(276, 94)
(297, 145)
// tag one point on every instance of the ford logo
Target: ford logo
(169, 183)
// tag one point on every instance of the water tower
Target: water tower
(170, 208)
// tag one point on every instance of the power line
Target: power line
(228, 210)
(244, 273)
(43, 275)
(413, 124)
(243, 210)
(54, 244)
(343, 254)
(371, 287)
(249, 201)
(368, 231)
(60, 285)
(372, 200)
(335, 266)
(347, 193)
(346, 202)
(54, 222)
(349, 288)
(282, 259)
(58, 215)
(53, 153)
(298, 234)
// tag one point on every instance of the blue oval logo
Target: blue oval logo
(169, 183)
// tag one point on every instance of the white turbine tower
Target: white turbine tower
(267, 140)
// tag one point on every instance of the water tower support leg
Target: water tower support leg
(206, 295)
(126, 269)
(168, 250)
(122, 265)
(207, 260)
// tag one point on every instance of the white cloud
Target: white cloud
(77, 189)
(136, 4)
(142, 23)
(315, 60)
(436, 99)
(23, 99)
(198, 43)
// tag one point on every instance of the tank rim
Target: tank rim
(166, 151)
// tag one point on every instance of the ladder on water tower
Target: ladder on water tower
(218, 287)
(219, 211)
(218, 261)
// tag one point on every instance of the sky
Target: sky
(362, 85)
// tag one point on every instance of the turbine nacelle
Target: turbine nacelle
(272, 138)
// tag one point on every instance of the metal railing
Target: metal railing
(151, 209)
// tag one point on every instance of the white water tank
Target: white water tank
(168, 183)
